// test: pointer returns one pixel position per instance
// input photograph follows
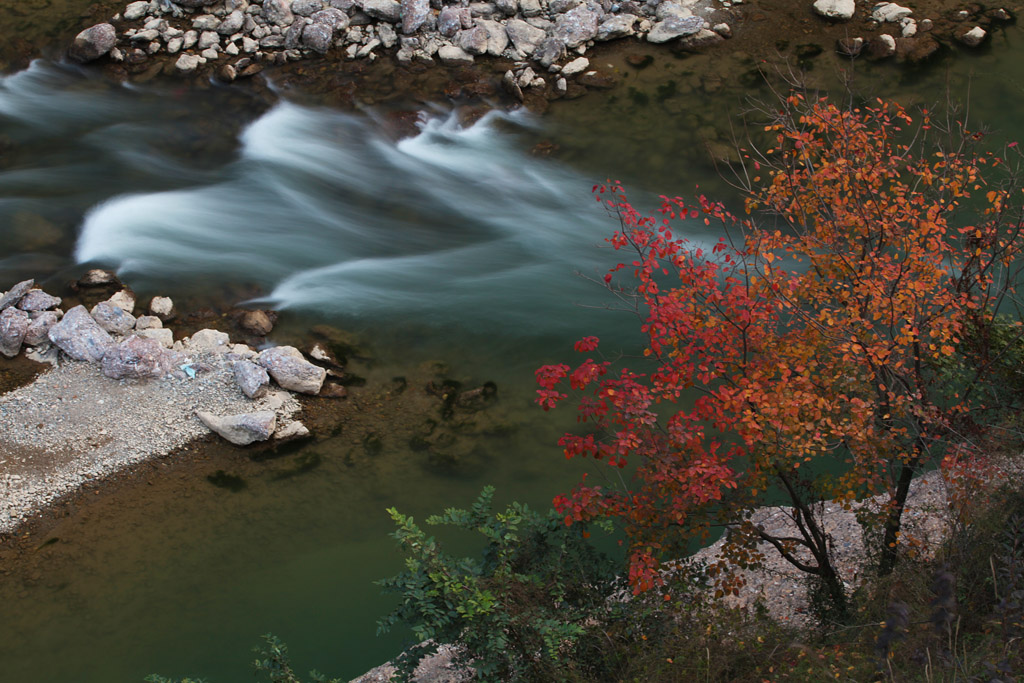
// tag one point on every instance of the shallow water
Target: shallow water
(456, 245)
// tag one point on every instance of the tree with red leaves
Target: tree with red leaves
(839, 339)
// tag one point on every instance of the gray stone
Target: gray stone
(252, 379)
(14, 325)
(562, 6)
(835, 9)
(674, 27)
(889, 11)
(291, 370)
(124, 300)
(700, 40)
(451, 55)
(385, 10)
(112, 318)
(387, 35)
(524, 37)
(293, 36)
(162, 335)
(278, 12)
(576, 66)
(306, 8)
(208, 39)
(146, 36)
(80, 337)
(135, 10)
(291, 430)
(669, 10)
(497, 38)
(187, 63)
(16, 293)
(137, 358)
(507, 7)
(209, 340)
(530, 8)
(205, 22)
(548, 52)
(93, 43)
(243, 429)
(317, 37)
(449, 21)
(39, 327)
(616, 26)
(414, 15)
(474, 41)
(508, 81)
(335, 18)
(232, 23)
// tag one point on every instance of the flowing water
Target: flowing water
(453, 253)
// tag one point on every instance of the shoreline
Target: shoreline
(122, 391)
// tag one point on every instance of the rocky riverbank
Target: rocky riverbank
(542, 42)
(122, 390)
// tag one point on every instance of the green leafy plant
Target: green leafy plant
(519, 611)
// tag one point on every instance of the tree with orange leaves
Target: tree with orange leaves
(839, 339)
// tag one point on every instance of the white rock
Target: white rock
(454, 56)
(209, 340)
(162, 306)
(174, 45)
(187, 63)
(576, 66)
(136, 10)
(890, 11)
(835, 9)
(974, 37)
(241, 429)
(291, 430)
(162, 335)
(908, 27)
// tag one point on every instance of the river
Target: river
(456, 252)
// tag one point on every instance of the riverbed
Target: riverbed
(442, 251)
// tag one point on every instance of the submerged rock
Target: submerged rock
(162, 307)
(80, 337)
(242, 429)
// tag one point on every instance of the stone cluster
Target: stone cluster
(240, 36)
(126, 347)
(908, 38)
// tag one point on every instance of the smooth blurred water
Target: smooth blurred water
(456, 244)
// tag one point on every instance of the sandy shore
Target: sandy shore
(73, 425)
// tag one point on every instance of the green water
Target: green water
(173, 574)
